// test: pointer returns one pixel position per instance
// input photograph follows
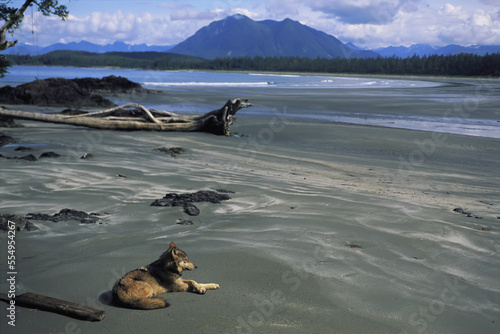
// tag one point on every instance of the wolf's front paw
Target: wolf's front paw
(201, 290)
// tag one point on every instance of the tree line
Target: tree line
(450, 65)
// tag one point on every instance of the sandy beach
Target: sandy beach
(332, 228)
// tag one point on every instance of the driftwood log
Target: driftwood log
(217, 121)
(54, 305)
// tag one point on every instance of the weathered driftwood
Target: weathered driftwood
(54, 305)
(217, 121)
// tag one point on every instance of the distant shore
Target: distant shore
(469, 65)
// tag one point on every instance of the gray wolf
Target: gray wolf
(139, 288)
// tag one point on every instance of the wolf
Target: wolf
(138, 289)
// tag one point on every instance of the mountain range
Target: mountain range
(427, 50)
(239, 36)
(119, 46)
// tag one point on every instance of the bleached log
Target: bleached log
(217, 121)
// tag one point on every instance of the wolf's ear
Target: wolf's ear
(172, 245)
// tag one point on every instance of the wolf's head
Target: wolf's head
(176, 260)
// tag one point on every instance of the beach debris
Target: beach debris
(172, 151)
(65, 215)
(186, 200)
(465, 213)
(353, 245)
(49, 304)
(87, 156)
(139, 117)
(20, 223)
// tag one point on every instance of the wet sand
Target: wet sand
(331, 228)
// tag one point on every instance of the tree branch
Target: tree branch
(13, 21)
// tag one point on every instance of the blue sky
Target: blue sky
(366, 23)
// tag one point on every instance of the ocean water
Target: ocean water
(469, 108)
(196, 79)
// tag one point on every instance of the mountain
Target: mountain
(475, 49)
(426, 50)
(118, 46)
(240, 36)
(404, 52)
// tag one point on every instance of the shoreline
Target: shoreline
(380, 75)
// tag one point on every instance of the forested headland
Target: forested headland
(451, 65)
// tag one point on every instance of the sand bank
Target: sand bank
(331, 227)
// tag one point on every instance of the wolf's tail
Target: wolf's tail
(147, 303)
(141, 303)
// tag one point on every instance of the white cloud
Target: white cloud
(363, 11)
(424, 24)
(481, 18)
(104, 28)
(491, 2)
(367, 23)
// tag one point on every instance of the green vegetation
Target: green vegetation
(140, 60)
(453, 65)
(12, 18)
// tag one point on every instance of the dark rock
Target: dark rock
(4, 140)
(19, 222)
(465, 213)
(65, 215)
(39, 216)
(49, 155)
(186, 200)
(52, 92)
(23, 149)
(109, 85)
(459, 210)
(191, 209)
(173, 199)
(29, 157)
(7, 122)
(173, 151)
(184, 222)
(70, 214)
